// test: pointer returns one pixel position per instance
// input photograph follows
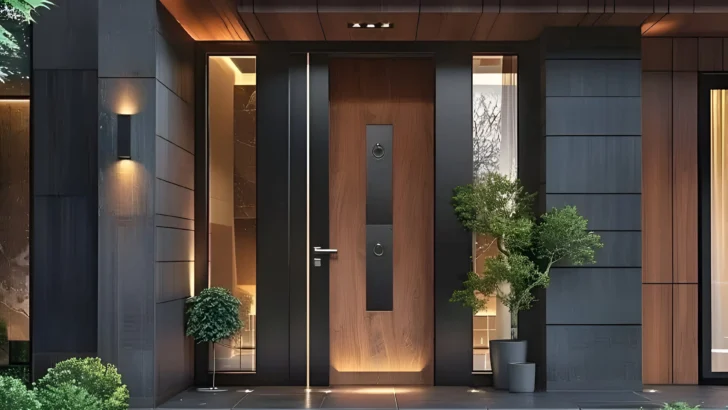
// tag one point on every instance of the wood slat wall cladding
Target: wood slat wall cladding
(670, 69)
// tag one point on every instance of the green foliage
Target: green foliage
(100, 381)
(214, 315)
(20, 372)
(67, 396)
(679, 406)
(499, 208)
(15, 10)
(16, 396)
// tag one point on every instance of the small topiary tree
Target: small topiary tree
(213, 316)
(67, 396)
(100, 381)
(16, 396)
(500, 209)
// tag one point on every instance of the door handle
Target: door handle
(319, 251)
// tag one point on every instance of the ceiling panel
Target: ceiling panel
(291, 26)
(690, 25)
(529, 6)
(596, 6)
(447, 26)
(372, 6)
(622, 20)
(284, 6)
(451, 6)
(208, 20)
(681, 6)
(651, 21)
(634, 6)
(573, 6)
(335, 26)
(255, 30)
(711, 6)
(590, 19)
(528, 26)
(484, 26)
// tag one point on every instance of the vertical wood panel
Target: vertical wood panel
(725, 54)
(657, 177)
(685, 177)
(685, 336)
(657, 334)
(710, 54)
(685, 54)
(656, 54)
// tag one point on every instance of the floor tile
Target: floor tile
(359, 401)
(281, 401)
(192, 399)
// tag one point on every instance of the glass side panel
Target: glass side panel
(495, 149)
(232, 150)
(719, 229)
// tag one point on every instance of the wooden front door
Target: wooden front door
(381, 177)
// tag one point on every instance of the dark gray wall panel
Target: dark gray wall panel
(594, 296)
(593, 164)
(175, 118)
(594, 357)
(173, 280)
(453, 167)
(593, 116)
(64, 128)
(600, 43)
(173, 350)
(604, 212)
(174, 200)
(64, 288)
(621, 249)
(174, 222)
(65, 36)
(127, 38)
(174, 164)
(379, 174)
(598, 78)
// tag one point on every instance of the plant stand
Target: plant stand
(213, 389)
(521, 377)
(503, 352)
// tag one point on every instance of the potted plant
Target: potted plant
(498, 208)
(213, 315)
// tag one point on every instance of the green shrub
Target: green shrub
(16, 396)
(21, 372)
(101, 381)
(67, 397)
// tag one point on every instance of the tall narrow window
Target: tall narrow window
(232, 182)
(719, 230)
(495, 149)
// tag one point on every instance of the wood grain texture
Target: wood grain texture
(336, 29)
(291, 26)
(398, 345)
(657, 334)
(447, 26)
(685, 177)
(657, 177)
(685, 334)
(208, 20)
(710, 54)
(685, 54)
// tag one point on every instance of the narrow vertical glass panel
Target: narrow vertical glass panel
(495, 149)
(232, 176)
(719, 229)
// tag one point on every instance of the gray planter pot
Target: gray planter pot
(503, 352)
(521, 377)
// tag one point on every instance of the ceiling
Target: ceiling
(438, 20)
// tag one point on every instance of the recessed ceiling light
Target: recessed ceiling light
(356, 25)
(370, 25)
(385, 25)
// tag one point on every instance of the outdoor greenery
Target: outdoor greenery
(67, 396)
(98, 380)
(19, 11)
(14, 394)
(679, 406)
(500, 209)
(213, 316)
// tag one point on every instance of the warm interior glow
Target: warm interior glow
(240, 77)
(719, 229)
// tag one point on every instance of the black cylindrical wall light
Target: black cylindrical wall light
(123, 136)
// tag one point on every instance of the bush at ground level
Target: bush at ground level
(14, 395)
(67, 397)
(100, 381)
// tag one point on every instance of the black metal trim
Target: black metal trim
(706, 83)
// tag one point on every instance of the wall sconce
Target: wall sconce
(123, 136)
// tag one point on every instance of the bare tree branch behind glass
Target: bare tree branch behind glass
(486, 133)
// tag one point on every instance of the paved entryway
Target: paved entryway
(708, 397)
